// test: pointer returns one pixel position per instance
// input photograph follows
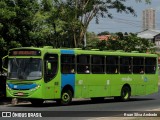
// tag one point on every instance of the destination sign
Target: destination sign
(24, 53)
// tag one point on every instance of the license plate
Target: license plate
(20, 93)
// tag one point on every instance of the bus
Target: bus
(46, 73)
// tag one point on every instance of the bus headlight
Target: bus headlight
(37, 87)
(8, 87)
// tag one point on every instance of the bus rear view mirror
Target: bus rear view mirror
(5, 63)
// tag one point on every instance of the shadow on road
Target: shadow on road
(79, 102)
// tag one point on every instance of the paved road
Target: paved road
(84, 107)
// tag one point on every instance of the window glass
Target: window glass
(125, 65)
(67, 64)
(83, 64)
(97, 64)
(150, 65)
(25, 68)
(138, 65)
(112, 65)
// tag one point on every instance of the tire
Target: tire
(37, 102)
(66, 98)
(125, 94)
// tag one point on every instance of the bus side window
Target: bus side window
(67, 64)
(112, 65)
(51, 66)
(97, 64)
(150, 65)
(125, 65)
(138, 65)
(83, 64)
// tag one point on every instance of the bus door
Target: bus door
(50, 76)
(67, 69)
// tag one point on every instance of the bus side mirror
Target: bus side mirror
(48, 65)
(5, 63)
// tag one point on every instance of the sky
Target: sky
(123, 22)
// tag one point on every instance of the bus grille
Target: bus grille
(21, 95)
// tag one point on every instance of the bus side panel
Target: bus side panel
(151, 84)
(51, 89)
(92, 85)
(81, 86)
(68, 79)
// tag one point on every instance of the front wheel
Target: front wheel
(66, 98)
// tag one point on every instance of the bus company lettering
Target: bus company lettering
(127, 79)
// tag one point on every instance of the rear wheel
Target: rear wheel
(66, 98)
(125, 94)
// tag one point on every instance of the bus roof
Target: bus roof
(92, 51)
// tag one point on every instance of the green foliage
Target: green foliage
(104, 33)
(60, 23)
(92, 40)
(127, 43)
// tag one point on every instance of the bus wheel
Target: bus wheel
(125, 93)
(37, 102)
(66, 98)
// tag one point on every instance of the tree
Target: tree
(16, 19)
(92, 40)
(83, 11)
(15, 23)
(104, 33)
(127, 43)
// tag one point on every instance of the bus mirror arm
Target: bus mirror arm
(3, 62)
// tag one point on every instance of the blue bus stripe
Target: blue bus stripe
(67, 79)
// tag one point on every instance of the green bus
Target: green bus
(39, 74)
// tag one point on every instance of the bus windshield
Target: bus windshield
(25, 68)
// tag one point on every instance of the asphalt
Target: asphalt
(5, 101)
